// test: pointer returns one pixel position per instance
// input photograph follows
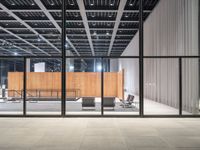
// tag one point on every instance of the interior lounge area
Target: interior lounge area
(99, 58)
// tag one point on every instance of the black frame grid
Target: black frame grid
(141, 58)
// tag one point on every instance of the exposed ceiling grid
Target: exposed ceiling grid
(93, 27)
(85, 22)
(117, 22)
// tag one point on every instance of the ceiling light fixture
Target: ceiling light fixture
(52, 4)
(13, 4)
(111, 4)
(92, 4)
(15, 53)
(95, 33)
(71, 68)
(38, 39)
(99, 67)
(130, 4)
(32, 4)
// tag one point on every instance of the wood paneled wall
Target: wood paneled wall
(85, 83)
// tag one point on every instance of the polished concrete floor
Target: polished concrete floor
(99, 134)
(75, 107)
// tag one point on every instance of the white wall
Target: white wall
(39, 67)
(171, 29)
(131, 75)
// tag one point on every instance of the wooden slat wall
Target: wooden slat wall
(110, 84)
(15, 82)
(87, 83)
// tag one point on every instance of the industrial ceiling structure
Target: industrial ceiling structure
(93, 27)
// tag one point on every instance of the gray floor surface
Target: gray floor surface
(99, 134)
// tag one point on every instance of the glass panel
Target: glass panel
(83, 86)
(43, 93)
(190, 86)
(172, 28)
(11, 86)
(161, 87)
(121, 86)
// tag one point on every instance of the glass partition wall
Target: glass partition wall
(43, 86)
(99, 58)
(11, 85)
(83, 86)
(121, 86)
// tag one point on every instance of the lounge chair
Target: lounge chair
(88, 102)
(128, 102)
(127, 99)
(109, 102)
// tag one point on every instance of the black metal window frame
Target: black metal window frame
(141, 58)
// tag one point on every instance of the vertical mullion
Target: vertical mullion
(141, 57)
(63, 58)
(24, 88)
(180, 86)
(102, 87)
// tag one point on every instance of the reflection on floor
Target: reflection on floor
(155, 108)
(75, 107)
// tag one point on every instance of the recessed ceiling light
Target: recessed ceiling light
(38, 39)
(13, 4)
(126, 16)
(110, 16)
(15, 53)
(130, 4)
(92, 4)
(6, 24)
(52, 4)
(95, 33)
(72, 4)
(107, 33)
(111, 4)
(32, 4)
